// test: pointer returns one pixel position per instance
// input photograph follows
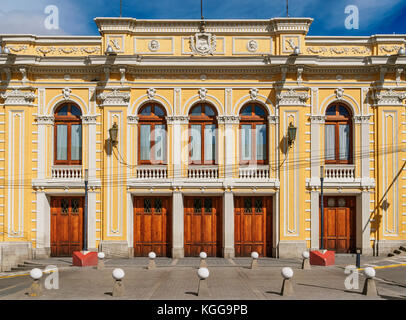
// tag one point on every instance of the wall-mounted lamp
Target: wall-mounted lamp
(296, 51)
(291, 134)
(402, 51)
(113, 131)
(110, 51)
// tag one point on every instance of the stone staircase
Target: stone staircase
(397, 252)
(27, 266)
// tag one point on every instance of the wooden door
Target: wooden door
(202, 226)
(66, 225)
(339, 224)
(152, 226)
(253, 226)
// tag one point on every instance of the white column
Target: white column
(314, 223)
(43, 226)
(91, 220)
(229, 144)
(177, 122)
(177, 225)
(228, 224)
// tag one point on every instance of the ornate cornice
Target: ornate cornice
(362, 119)
(114, 98)
(132, 119)
(177, 119)
(292, 98)
(89, 119)
(229, 119)
(44, 120)
(18, 97)
(317, 119)
(389, 97)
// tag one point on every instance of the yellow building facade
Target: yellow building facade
(205, 156)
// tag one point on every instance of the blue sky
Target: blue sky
(76, 16)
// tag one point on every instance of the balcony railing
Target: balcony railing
(203, 172)
(339, 173)
(152, 172)
(254, 172)
(66, 172)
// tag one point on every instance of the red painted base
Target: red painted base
(322, 258)
(84, 258)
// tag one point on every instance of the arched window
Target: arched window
(338, 135)
(68, 135)
(253, 128)
(152, 134)
(202, 138)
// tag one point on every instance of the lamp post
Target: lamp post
(322, 207)
(85, 213)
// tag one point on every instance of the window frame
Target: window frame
(254, 120)
(68, 120)
(203, 120)
(152, 120)
(338, 120)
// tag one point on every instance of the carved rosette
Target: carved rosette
(389, 97)
(114, 98)
(18, 97)
(292, 98)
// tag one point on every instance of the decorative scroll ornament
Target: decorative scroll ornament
(389, 97)
(254, 93)
(203, 43)
(339, 93)
(114, 98)
(202, 93)
(66, 93)
(18, 97)
(151, 92)
(292, 98)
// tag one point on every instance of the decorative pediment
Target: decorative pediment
(114, 98)
(389, 97)
(292, 98)
(18, 97)
(203, 43)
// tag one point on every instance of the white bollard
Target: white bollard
(151, 264)
(369, 285)
(118, 289)
(203, 289)
(287, 288)
(203, 256)
(35, 288)
(254, 262)
(306, 261)
(100, 260)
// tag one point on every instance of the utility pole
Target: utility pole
(121, 8)
(85, 213)
(321, 208)
(287, 8)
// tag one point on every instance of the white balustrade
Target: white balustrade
(254, 172)
(67, 172)
(152, 172)
(203, 172)
(339, 172)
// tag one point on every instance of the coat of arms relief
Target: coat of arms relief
(203, 43)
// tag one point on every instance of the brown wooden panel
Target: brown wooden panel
(202, 226)
(339, 224)
(66, 225)
(152, 226)
(252, 226)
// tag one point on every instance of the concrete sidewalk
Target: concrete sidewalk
(226, 282)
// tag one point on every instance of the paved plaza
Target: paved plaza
(230, 279)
